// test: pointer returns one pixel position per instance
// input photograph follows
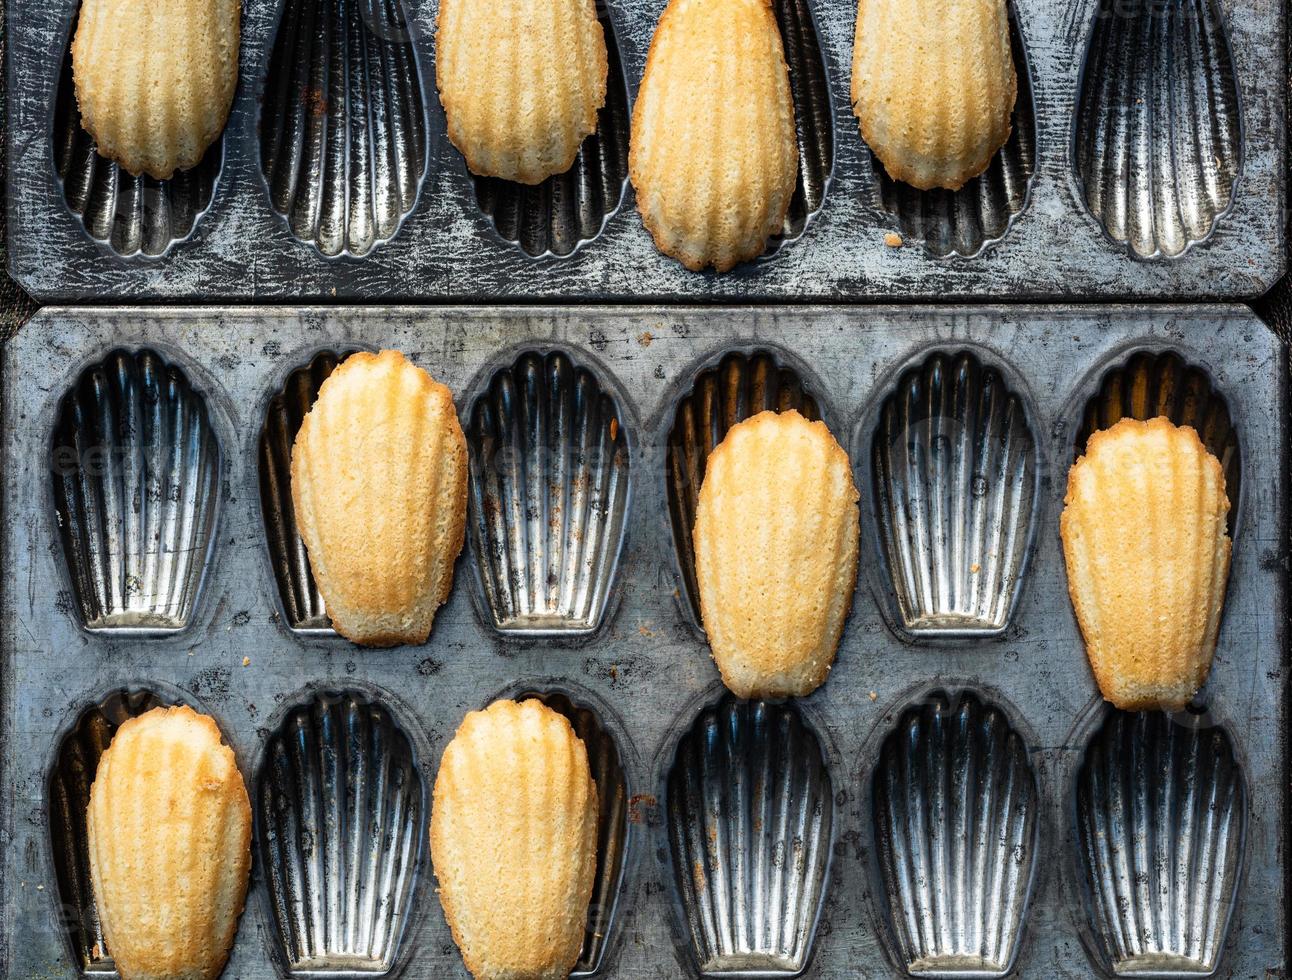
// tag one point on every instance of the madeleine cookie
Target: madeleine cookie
(521, 82)
(776, 537)
(514, 841)
(713, 155)
(933, 85)
(379, 485)
(155, 80)
(169, 827)
(1147, 553)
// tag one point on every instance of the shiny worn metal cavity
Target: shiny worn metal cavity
(549, 494)
(750, 810)
(956, 482)
(956, 814)
(303, 604)
(1161, 806)
(136, 470)
(341, 833)
(1158, 127)
(813, 117)
(344, 141)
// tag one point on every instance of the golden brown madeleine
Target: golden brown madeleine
(379, 485)
(155, 80)
(712, 155)
(514, 841)
(521, 82)
(1147, 553)
(933, 84)
(776, 537)
(169, 827)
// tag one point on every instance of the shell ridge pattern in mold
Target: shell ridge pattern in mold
(303, 604)
(1161, 819)
(955, 467)
(342, 818)
(136, 487)
(343, 132)
(813, 117)
(956, 816)
(750, 813)
(1158, 141)
(549, 494)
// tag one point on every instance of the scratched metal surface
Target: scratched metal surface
(648, 669)
(447, 249)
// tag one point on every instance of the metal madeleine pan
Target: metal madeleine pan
(331, 182)
(680, 762)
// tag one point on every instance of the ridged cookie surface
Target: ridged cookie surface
(776, 537)
(933, 85)
(713, 155)
(514, 841)
(1147, 553)
(169, 827)
(155, 80)
(379, 485)
(521, 82)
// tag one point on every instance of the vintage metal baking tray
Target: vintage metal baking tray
(955, 800)
(1156, 172)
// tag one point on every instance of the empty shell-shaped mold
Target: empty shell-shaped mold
(132, 215)
(1161, 816)
(750, 823)
(1158, 140)
(1149, 384)
(69, 798)
(341, 814)
(549, 495)
(956, 481)
(302, 601)
(964, 222)
(343, 131)
(136, 492)
(554, 217)
(607, 769)
(956, 824)
(740, 386)
(813, 116)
